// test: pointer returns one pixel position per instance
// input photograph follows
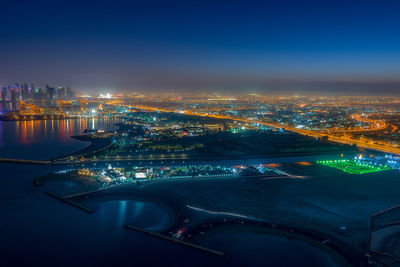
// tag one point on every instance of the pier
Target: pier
(25, 161)
(215, 252)
(70, 202)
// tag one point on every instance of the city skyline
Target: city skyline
(272, 47)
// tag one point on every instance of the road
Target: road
(316, 134)
(377, 126)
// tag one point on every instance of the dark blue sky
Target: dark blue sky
(269, 46)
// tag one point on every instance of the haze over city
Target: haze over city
(323, 47)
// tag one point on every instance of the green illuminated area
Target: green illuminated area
(352, 166)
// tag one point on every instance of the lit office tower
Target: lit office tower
(70, 94)
(31, 91)
(60, 93)
(25, 92)
(37, 94)
(50, 92)
(21, 92)
(13, 94)
(4, 94)
(14, 97)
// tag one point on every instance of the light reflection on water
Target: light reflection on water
(115, 214)
(43, 139)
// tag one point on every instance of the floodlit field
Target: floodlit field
(353, 167)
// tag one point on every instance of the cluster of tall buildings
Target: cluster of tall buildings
(23, 92)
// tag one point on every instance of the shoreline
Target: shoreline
(180, 212)
(278, 231)
(96, 145)
(320, 241)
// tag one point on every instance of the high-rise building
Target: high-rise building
(24, 92)
(70, 94)
(50, 91)
(4, 94)
(13, 94)
(61, 93)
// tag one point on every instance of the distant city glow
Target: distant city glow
(107, 96)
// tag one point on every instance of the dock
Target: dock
(70, 202)
(215, 252)
(25, 161)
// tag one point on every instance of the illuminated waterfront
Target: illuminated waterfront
(44, 139)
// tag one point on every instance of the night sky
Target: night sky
(321, 47)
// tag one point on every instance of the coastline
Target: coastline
(334, 251)
(331, 246)
(131, 192)
(179, 212)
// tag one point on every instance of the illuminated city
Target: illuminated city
(200, 133)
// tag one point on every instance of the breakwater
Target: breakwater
(215, 252)
(70, 202)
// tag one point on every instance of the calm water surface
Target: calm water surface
(45, 139)
(263, 248)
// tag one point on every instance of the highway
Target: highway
(316, 134)
(377, 126)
